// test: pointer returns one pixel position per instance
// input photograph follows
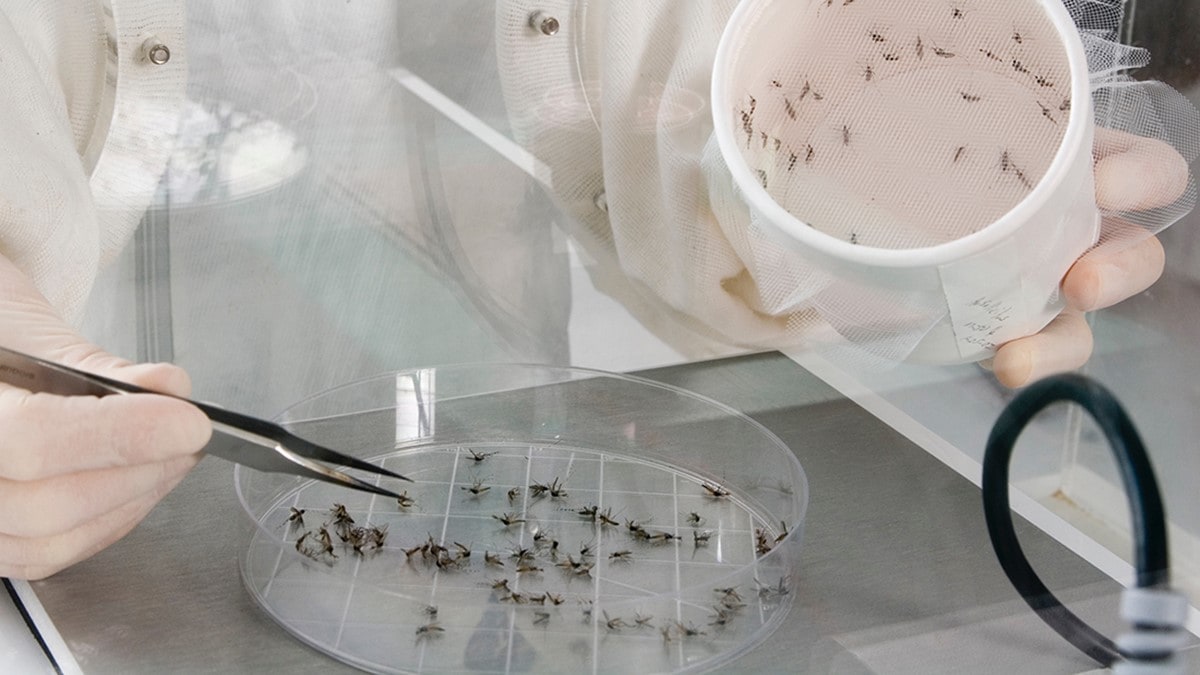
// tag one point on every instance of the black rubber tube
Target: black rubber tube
(1137, 476)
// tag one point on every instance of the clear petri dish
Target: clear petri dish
(558, 520)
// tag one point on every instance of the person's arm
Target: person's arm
(78, 472)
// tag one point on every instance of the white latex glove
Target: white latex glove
(78, 472)
(1132, 173)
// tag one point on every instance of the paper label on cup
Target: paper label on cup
(988, 299)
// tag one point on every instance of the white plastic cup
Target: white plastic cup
(998, 283)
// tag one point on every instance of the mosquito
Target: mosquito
(430, 630)
(729, 592)
(477, 488)
(509, 519)
(713, 489)
(700, 538)
(938, 51)
(969, 97)
(621, 556)
(614, 624)
(541, 618)
(478, 457)
(513, 494)
(297, 517)
(694, 519)
(492, 559)
(404, 501)
(607, 519)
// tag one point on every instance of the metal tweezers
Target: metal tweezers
(239, 438)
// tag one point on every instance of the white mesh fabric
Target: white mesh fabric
(616, 105)
(47, 217)
(906, 127)
(899, 125)
(72, 185)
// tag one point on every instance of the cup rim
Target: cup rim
(796, 234)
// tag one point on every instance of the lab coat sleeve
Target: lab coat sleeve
(617, 106)
(86, 124)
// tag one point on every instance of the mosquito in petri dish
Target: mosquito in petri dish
(606, 518)
(789, 107)
(1019, 67)
(492, 559)
(920, 48)
(728, 592)
(688, 630)
(513, 494)
(700, 538)
(541, 618)
(621, 556)
(554, 598)
(404, 501)
(893, 56)
(642, 620)
(341, 517)
(694, 519)
(958, 153)
(721, 617)
(969, 97)
(477, 456)
(762, 543)
(430, 630)
(476, 488)
(615, 623)
(713, 489)
(297, 517)
(938, 51)
(508, 519)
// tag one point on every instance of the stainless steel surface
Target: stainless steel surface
(897, 574)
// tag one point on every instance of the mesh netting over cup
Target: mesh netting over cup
(930, 161)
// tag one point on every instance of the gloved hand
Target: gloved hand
(1132, 174)
(78, 472)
